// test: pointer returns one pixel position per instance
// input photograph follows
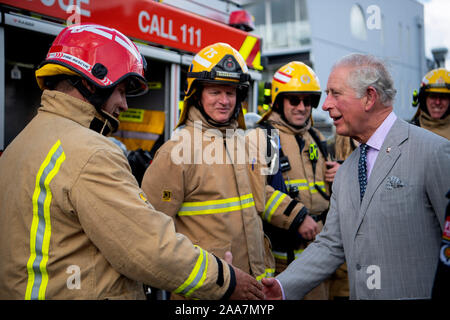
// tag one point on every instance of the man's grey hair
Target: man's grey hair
(368, 71)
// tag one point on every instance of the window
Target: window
(302, 8)
(258, 12)
(282, 11)
(281, 23)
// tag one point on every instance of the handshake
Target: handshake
(248, 288)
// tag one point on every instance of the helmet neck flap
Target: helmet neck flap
(98, 98)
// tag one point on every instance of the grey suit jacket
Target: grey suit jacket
(391, 240)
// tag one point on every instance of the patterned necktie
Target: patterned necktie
(362, 170)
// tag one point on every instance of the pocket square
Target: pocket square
(394, 182)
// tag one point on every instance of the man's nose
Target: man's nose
(224, 98)
(326, 104)
(301, 106)
(124, 104)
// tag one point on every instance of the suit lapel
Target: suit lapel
(387, 157)
(354, 181)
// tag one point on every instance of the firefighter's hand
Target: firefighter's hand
(247, 288)
(272, 289)
(332, 168)
(308, 229)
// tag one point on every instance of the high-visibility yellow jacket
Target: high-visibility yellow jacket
(283, 211)
(213, 200)
(75, 225)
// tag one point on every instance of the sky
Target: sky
(437, 26)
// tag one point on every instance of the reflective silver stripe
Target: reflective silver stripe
(197, 276)
(216, 206)
(268, 273)
(299, 183)
(272, 204)
(40, 231)
(283, 255)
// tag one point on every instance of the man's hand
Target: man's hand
(332, 168)
(247, 288)
(308, 229)
(272, 289)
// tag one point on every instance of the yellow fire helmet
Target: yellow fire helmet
(221, 64)
(436, 80)
(294, 77)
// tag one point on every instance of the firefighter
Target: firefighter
(297, 194)
(74, 224)
(214, 202)
(433, 101)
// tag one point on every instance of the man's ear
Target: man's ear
(371, 98)
(88, 85)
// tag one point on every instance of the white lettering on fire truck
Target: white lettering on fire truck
(67, 7)
(164, 28)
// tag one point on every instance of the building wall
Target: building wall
(392, 30)
(398, 38)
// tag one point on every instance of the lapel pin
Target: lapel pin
(388, 149)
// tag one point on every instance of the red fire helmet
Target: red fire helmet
(100, 54)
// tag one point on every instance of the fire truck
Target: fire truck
(168, 33)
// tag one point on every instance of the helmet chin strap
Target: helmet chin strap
(98, 98)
